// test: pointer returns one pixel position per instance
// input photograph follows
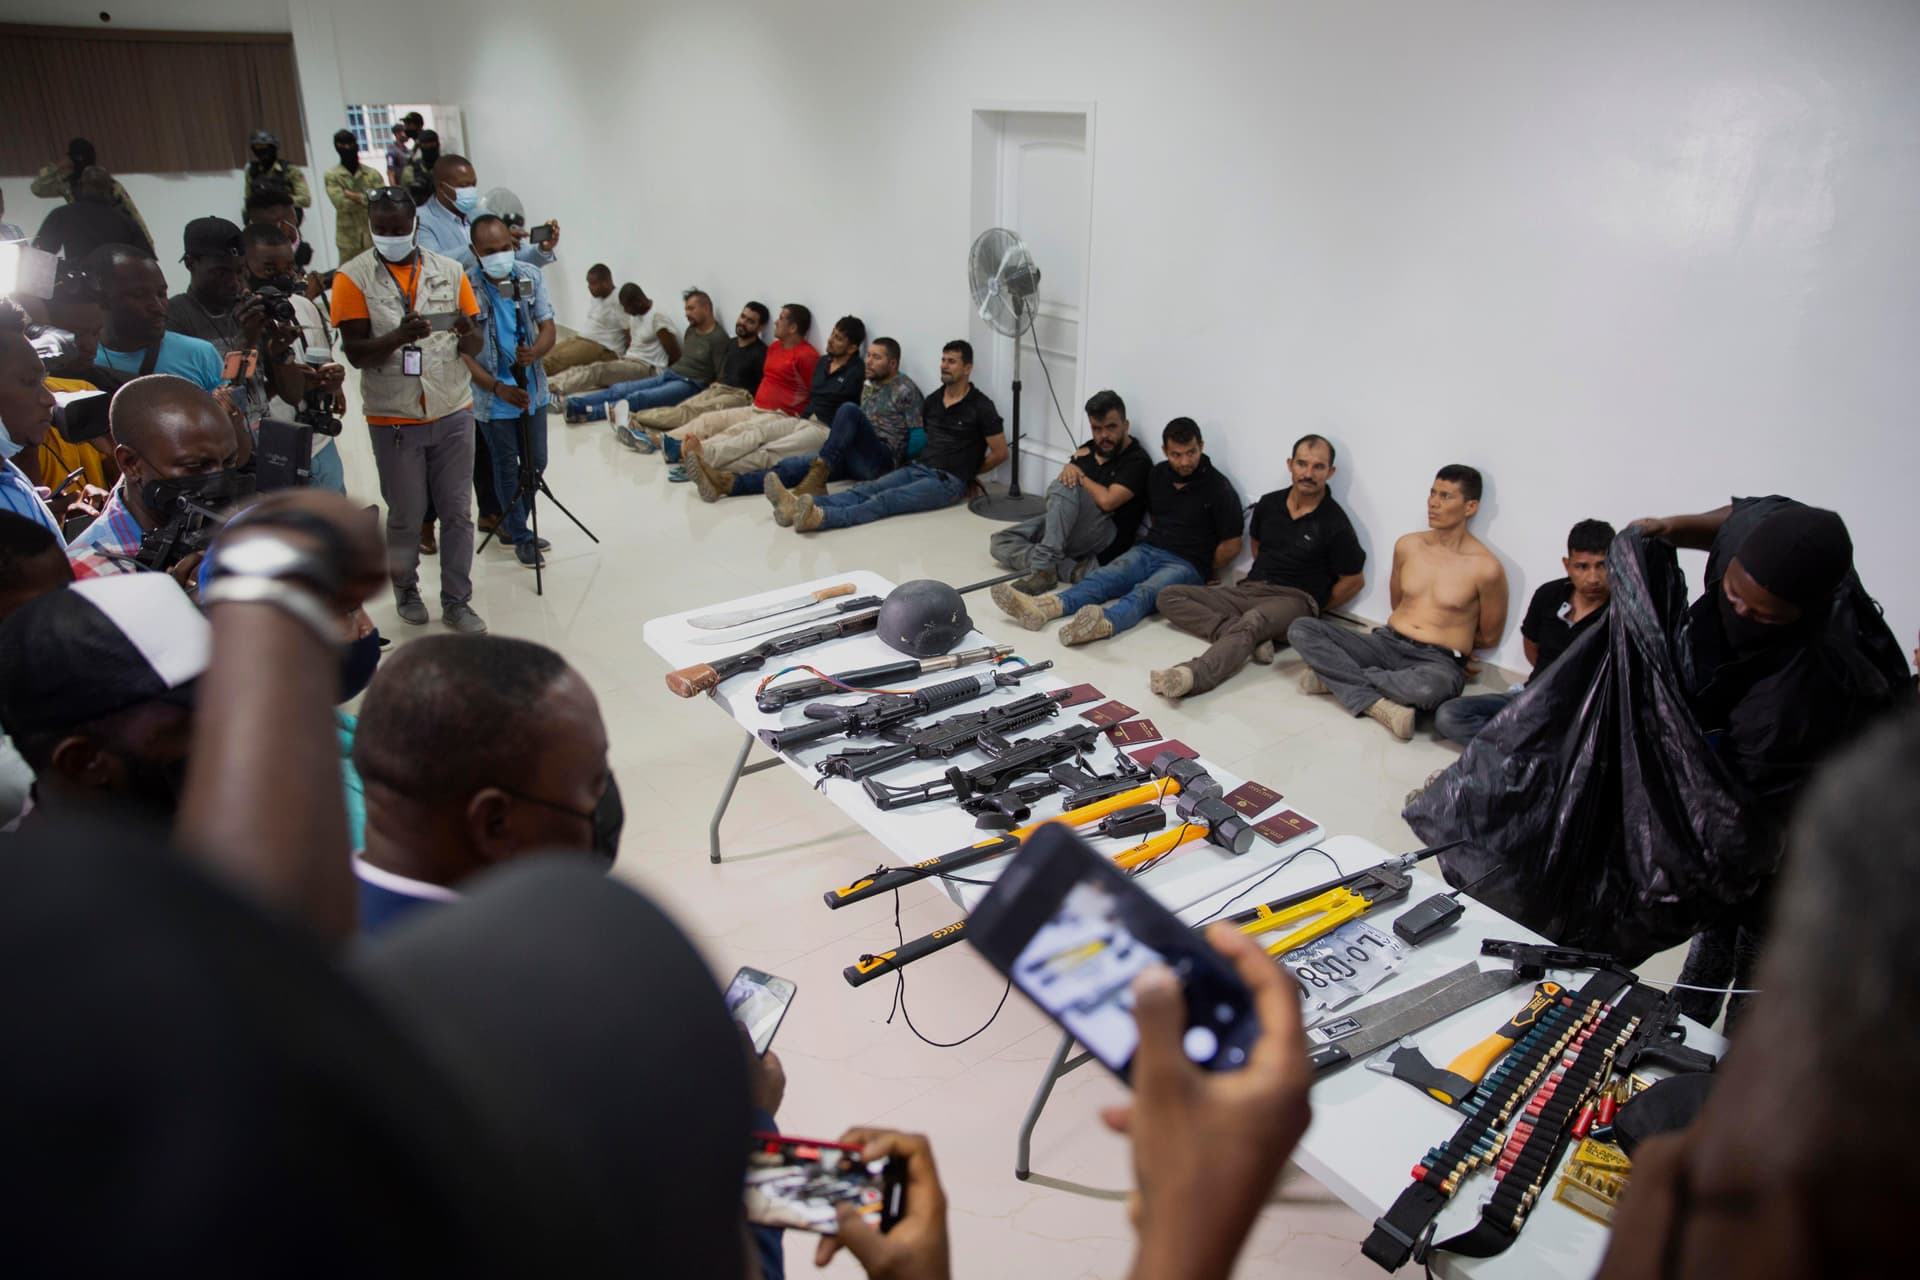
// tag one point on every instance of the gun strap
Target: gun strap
(1407, 1225)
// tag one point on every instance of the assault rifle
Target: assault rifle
(943, 739)
(884, 711)
(1007, 762)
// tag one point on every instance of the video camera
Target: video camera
(193, 521)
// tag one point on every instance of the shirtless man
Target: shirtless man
(1449, 598)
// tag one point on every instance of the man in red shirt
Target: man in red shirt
(786, 384)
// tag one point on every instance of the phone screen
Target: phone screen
(801, 1183)
(442, 321)
(758, 1001)
(1073, 931)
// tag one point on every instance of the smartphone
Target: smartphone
(1073, 931)
(758, 1001)
(442, 321)
(540, 234)
(801, 1183)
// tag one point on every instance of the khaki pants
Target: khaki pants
(574, 352)
(1235, 619)
(676, 416)
(761, 441)
(714, 422)
(597, 374)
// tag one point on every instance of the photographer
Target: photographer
(406, 317)
(172, 441)
(315, 382)
(518, 331)
(219, 309)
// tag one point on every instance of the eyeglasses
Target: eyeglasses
(390, 195)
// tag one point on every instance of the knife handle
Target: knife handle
(1327, 1056)
(828, 593)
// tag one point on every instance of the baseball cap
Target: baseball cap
(99, 646)
(207, 236)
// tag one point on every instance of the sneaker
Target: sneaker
(630, 438)
(670, 448)
(678, 473)
(1397, 717)
(647, 441)
(806, 516)
(412, 608)
(1037, 583)
(1310, 682)
(781, 499)
(1263, 653)
(1173, 682)
(1088, 625)
(528, 554)
(543, 544)
(1031, 612)
(463, 619)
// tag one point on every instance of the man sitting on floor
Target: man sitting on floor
(864, 442)
(1558, 614)
(736, 461)
(786, 383)
(602, 337)
(475, 750)
(1449, 597)
(1195, 531)
(1306, 560)
(695, 362)
(1094, 505)
(964, 440)
(655, 412)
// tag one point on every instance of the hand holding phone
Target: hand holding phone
(758, 1001)
(915, 1247)
(823, 1187)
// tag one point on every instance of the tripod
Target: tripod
(532, 480)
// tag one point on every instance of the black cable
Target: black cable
(1051, 394)
(1282, 866)
(900, 994)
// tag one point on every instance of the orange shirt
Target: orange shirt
(348, 303)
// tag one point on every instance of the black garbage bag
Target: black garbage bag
(1595, 809)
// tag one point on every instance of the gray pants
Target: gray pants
(1073, 528)
(1461, 719)
(421, 461)
(1235, 620)
(1359, 670)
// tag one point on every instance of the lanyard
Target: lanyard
(413, 291)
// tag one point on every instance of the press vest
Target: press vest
(385, 392)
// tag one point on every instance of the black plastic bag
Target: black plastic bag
(1595, 809)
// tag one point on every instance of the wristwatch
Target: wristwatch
(261, 568)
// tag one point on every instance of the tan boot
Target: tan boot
(1088, 625)
(782, 499)
(711, 483)
(815, 482)
(1031, 612)
(806, 516)
(1263, 653)
(1310, 682)
(1174, 682)
(1397, 717)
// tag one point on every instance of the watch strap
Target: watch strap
(285, 596)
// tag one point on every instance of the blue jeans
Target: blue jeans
(1461, 719)
(914, 487)
(657, 392)
(503, 443)
(1131, 583)
(326, 469)
(853, 451)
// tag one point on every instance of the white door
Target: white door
(1043, 182)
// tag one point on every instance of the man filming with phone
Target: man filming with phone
(406, 317)
(518, 330)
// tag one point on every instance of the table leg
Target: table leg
(740, 770)
(1057, 1067)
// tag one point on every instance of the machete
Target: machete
(1340, 1040)
(798, 620)
(721, 621)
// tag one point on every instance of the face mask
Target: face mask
(8, 445)
(609, 816)
(154, 789)
(394, 248)
(1748, 636)
(357, 664)
(215, 490)
(467, 200)
(498, 266)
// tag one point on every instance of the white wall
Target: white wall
(1626, 258)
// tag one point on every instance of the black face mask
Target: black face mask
(349, 156)
(154, 789)
(357, 665)
(265, 161)
(609, 816)
(214, 490)
(1750, 636)
(428, 155)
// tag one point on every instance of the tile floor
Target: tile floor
(663, 550)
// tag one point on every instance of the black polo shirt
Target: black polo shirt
(1307, 554)
(834, 387)
(957, 434)
(1131, 469)
(1194, 516)
(742, 366)
(1546, 622)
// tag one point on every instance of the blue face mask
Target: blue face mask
(467, 200)
(497, 266)
(8, 445)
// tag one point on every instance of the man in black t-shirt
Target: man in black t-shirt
(1559, 613)
(964, 439)
(1093, 506)
(1305, 559)
(1195, 531)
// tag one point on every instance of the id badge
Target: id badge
(410, 362)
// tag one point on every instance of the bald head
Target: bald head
(165, 428)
